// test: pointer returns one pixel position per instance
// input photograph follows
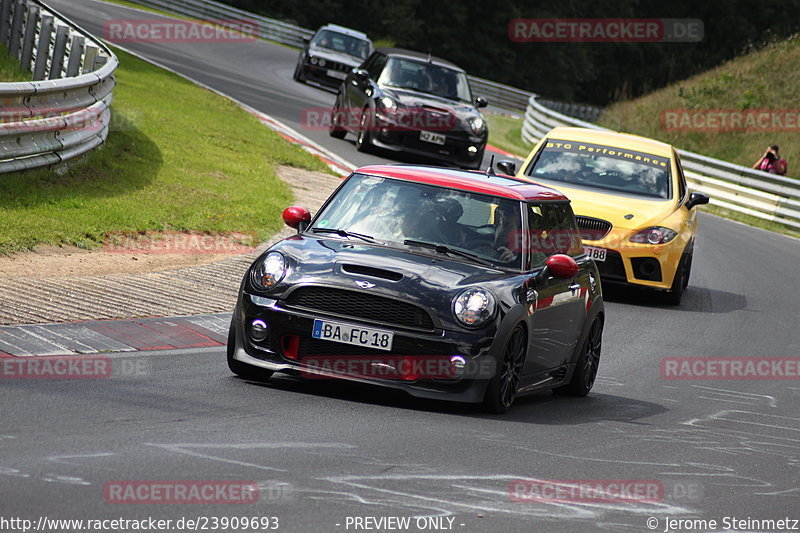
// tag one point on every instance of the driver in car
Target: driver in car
(506, 232)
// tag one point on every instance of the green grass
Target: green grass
(765, 79)
(10, 69)
(505, 132)
(135, 5)
(179, 158)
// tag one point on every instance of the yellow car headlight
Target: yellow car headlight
(654, 235)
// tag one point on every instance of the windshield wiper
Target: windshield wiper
(345, 233)
(442, 249)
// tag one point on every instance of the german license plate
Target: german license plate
(351, 334)
(430, 137)
(598, 254)
(336, 74)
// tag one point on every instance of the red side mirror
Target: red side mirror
(296, 216)
(562, 266)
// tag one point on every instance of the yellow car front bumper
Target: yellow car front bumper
(650, 265)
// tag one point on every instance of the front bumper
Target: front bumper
(460, 147)
(638, 264)
(323, 75)
(291, 349)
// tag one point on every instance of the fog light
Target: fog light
(258, 330)
(458, 364)
(472, 149)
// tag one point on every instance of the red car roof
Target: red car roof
(467, 180)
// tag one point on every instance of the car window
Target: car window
(339, 42)
(603, 167)
(393, 211)
(552, 229)
(376, 66)
(424, 77)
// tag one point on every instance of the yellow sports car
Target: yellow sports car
(631, 201)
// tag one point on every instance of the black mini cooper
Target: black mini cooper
(444, 283)
(408, 102)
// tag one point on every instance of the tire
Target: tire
(335, 130)
(237, 367)
(688, 270)
(588, 362)
(298, 72)
(502, 388)
(675, 293)
(364, 137)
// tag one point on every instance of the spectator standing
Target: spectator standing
(771, 161)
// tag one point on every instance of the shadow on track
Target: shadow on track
(544, 408)
(695, 299)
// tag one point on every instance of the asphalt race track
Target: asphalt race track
(322, 452)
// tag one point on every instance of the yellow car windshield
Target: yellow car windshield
(603, 167)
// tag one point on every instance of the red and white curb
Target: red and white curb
(106, 336)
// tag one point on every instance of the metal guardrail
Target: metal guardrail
(741, 189)
(501, 96)
(210, 11)
(65, 112)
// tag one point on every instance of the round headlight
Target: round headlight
(388, 103)
(321, 62)
(473, 307)
(477, 124)
(269, 271)
(313, 60)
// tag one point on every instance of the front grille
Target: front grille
(362, 306)
(341, 67)
(592, 229)
(311, 347)
(612, 268)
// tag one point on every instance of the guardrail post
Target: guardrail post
(29, 38)
(75, 55)
(5, 19)
(16, 28)
(58, 52)
(99, 61)
(89, 59)
(43, 48)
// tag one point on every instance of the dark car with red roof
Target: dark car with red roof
(447, 284)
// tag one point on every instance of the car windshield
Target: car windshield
(428, 219)
(339, 42)
(603, 167)
(427, 78)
